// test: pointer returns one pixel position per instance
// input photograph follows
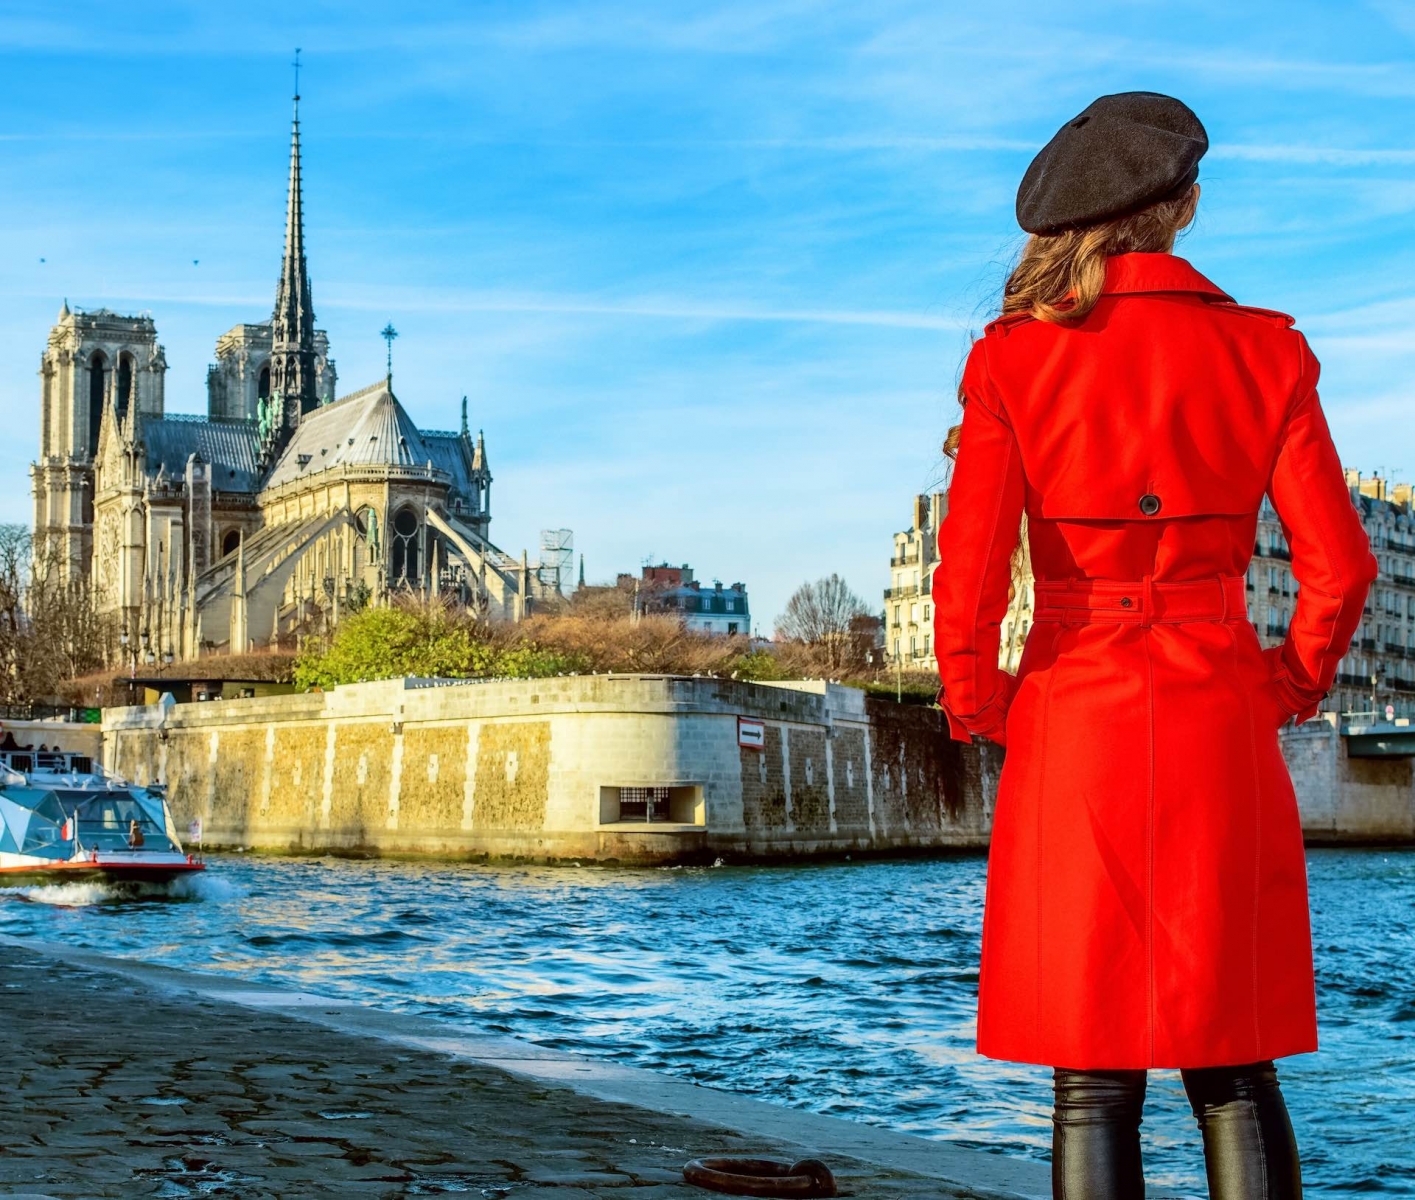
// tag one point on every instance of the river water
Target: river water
(844, 988)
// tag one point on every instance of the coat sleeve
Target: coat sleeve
(1331, 554)
(975, 545)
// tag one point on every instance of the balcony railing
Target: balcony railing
(905, 560)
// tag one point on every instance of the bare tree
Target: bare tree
(14, 571)
(823, 615)
(50, 630)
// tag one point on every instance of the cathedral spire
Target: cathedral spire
(292, 359)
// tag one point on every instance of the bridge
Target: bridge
(1367, 737)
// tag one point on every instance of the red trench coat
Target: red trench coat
(1146, 895)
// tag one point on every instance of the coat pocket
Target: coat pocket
(1276, 693)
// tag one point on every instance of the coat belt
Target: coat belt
(1143, 602)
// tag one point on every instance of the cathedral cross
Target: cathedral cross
(388, 333)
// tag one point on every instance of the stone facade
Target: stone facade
(908, 601)
(1384, 646)
(279, 509)
(93, 360)
(1345, 799)
(711, 608)
(525, 769)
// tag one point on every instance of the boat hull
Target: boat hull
(31, 875)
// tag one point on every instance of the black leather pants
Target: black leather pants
(1249, 1150)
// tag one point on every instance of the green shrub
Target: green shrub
(389, 643)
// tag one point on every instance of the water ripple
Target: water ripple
(847, 989)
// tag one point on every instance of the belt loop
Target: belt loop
(1223, 597)
(1147, 613)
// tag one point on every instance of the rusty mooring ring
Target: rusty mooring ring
(761, 1176)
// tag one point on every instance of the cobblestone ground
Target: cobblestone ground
(110, 1089)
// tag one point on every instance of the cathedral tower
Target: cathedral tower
(293, 365)
(90, 359)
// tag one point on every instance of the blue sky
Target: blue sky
(705, 271)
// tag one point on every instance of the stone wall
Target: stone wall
(519, 769)
(1344, 799)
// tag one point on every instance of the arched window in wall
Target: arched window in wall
(405, 547)
(230, 542)
(367, 547)
(125, 384)
(97, 386)
(262, 387)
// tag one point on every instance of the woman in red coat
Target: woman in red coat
(1146, 898)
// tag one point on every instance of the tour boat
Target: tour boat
(64, 819)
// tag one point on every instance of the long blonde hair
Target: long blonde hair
(1059, 276)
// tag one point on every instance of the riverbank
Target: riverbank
(631, 769)
(128, 1079)
(844, 989)
(647, 769)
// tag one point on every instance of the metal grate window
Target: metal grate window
(643, 804)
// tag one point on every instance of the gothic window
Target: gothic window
(96, 382)
(367, 549)
(262, 387)
(230, 542)
(125, 384)
(405, 546)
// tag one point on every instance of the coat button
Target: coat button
(1149, 504)
(1124, 601)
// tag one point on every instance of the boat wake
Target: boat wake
(93, 893)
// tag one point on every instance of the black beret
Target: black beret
(1124, 152)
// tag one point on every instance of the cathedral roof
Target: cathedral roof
(448, 453)
(231, 447)
(366, 429)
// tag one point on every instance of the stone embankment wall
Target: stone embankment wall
(1344, 799)
(536, 768)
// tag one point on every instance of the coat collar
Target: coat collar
(1137, 272)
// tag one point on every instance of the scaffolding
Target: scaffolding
(557, 559)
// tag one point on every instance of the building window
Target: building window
(405, 546)
(367, 550)
(926, 612)
(262, 387)
(230, 542)
(125, 384)
(681, 805)
(97, 385)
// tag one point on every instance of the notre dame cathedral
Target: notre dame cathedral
(283, 504)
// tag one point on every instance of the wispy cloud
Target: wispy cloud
(744, 238)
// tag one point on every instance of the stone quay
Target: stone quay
(138, 1080)
(630, 769)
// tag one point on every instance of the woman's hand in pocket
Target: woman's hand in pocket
(1279, 700)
